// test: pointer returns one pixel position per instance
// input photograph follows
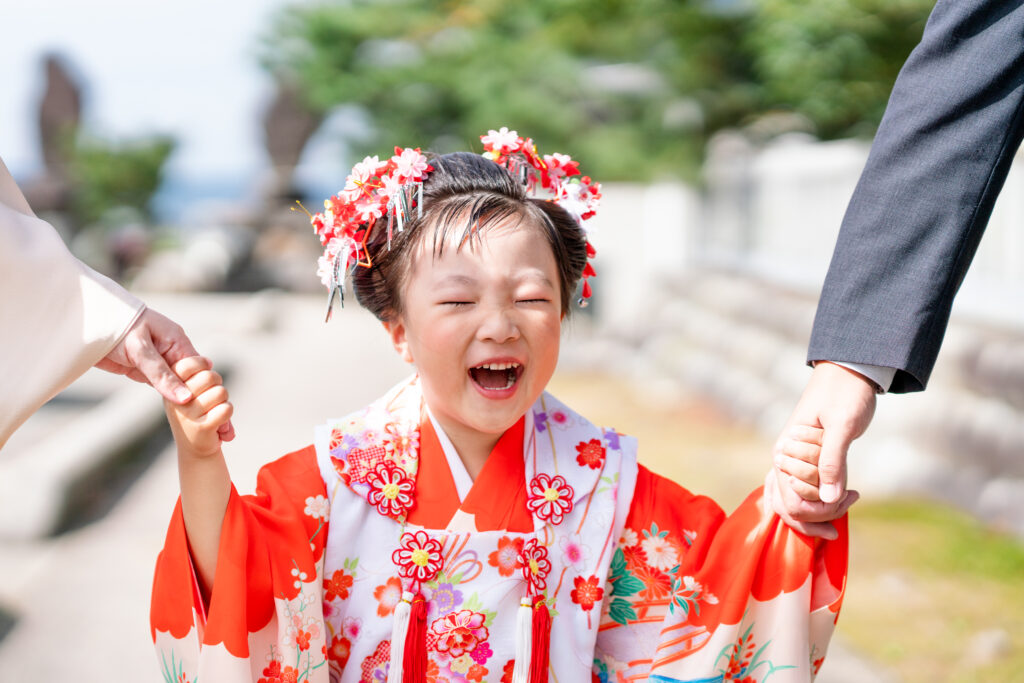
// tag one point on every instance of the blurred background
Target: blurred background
(169, 144)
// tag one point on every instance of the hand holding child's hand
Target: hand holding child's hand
(195, 424)
(796, 475)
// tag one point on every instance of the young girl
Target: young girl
(468, 526)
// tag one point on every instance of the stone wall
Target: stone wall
(715, 291)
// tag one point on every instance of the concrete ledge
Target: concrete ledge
(39, 485)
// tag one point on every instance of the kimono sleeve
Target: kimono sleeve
(264, 619)
(695, 595)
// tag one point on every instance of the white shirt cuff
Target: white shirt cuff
(880, 375)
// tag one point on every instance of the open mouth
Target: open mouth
(496, 376)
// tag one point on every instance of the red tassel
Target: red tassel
(586, 290)
(414, 662)
(539, 654)
(588, 270)
(591, 252)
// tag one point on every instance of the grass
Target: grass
(925, 579)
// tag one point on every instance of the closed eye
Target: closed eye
(456, 304)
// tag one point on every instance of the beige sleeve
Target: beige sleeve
(58, 317)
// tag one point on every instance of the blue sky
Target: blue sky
(188, 68)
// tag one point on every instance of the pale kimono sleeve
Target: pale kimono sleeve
(695, 595)
(58, 317)
(265, 615)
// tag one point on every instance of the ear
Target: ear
(396, 330)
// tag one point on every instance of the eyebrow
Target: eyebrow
(466, 280)
(456, 280)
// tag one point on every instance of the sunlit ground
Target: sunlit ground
(924, 581)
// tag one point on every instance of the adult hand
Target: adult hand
(840, 402)
(147, 351)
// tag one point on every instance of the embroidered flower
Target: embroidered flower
(657, 584)
(560, 419)
(535, 565)
(433, 671)
(272, 671)
(390, 489)
(476, 673)
(611, 437)
(338, 653)
(549, 498)
(506, 671)
(300, 576)
(459, 632)
(586, 592)
(591, 454)
(540, 421)
(402, 440)
(302, 640)
(351, 627)
(574, 553)
(660, 553)
(460, 665)
(628, 538)
(337, 586)
(317, 507)
(635, 557)
(388, 595)
(481, 653)
(445, 598)
(506, 557)
(418, 556)
(337, 438)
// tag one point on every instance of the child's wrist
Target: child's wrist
(189, 453)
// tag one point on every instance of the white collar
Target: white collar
(463, 482)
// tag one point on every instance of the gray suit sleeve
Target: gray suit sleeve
(939, 160)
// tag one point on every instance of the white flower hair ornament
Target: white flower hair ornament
(394, 188)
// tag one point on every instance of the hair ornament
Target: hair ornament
(578, 194)
(394, 188)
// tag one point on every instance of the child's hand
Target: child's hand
(797, 455)
(195, 424)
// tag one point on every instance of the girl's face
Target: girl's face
(482, 326)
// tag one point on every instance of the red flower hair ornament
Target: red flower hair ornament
(393, 187)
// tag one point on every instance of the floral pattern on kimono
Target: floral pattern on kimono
(647, 581)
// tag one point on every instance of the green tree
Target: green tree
(834, 61)
(109, 174)
(632, 88)
(438, 74)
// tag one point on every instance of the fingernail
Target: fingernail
(183, 394)
(829, 493)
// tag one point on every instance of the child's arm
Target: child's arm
(205, 482)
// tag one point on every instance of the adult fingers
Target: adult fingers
(801, 450)
(804, 471)
(805, 433)
(143, 354)
(169, 337)
(832, 463)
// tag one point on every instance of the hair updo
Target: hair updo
(463, 192)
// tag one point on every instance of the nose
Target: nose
(498, 325)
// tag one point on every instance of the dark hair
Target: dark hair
(471, 192)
